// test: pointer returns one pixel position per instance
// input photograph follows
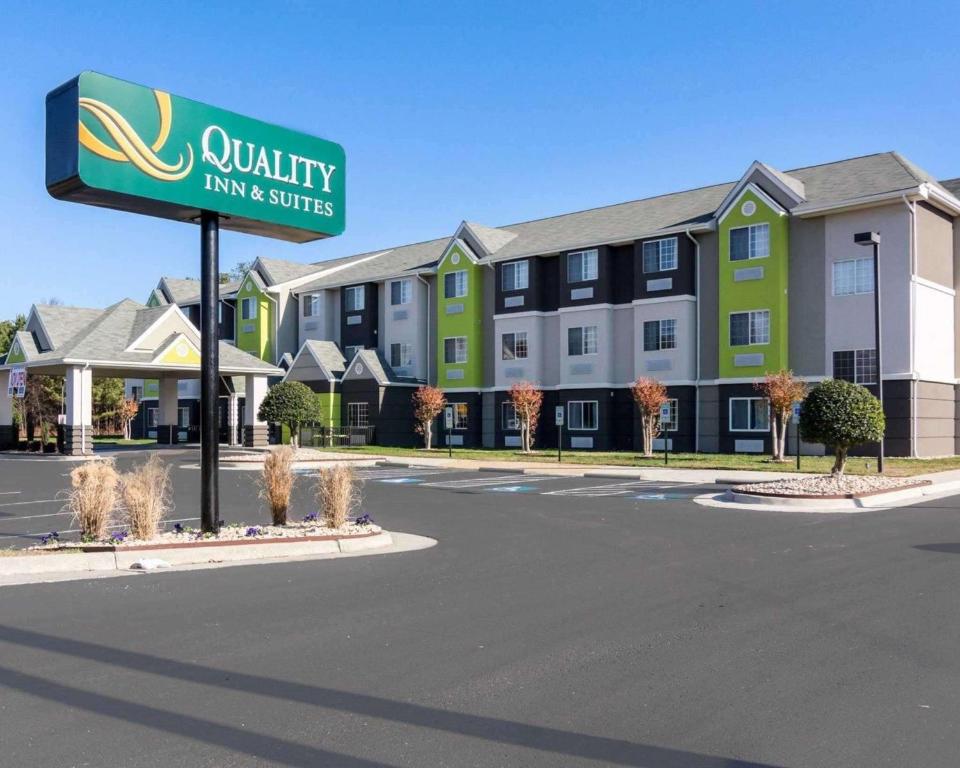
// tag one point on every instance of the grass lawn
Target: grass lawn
(815, 464)
(116, 440)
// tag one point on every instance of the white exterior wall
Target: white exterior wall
(533, 368)
(316, 327)
(587, 370)
(666, 365)
(406, 324)
(934, 351)
(849, 319)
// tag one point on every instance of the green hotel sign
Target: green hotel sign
(115, 144)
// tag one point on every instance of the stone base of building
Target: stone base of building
(167, 434)
(8, 437)
(256, 436)
(77, 440)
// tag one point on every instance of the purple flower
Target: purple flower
(364, 520)
(118, 537)
(178, 528)
(311, 518)
(254, 530)
(52, 536)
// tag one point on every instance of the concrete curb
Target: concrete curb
(121, 560)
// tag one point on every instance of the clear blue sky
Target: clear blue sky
(494, 112)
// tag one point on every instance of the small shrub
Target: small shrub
(840, 415)
(146, 496)
(338, 494)
(93, 497)
(276, 482)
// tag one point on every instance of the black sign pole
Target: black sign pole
(798, 445)
(209, 371)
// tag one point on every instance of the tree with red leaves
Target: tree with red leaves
(126, 413)
(527, 401)
(782, 390)
(428, 403)
(649, 395)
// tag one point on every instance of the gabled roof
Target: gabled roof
(951, 185)
(225, 290)
(325, 354)
(490, 239)
(24, 342)
(176, 289)
(277, 271)
(370, 364)
(60, 324)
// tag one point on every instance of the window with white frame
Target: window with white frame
(183, 418)
(751, 327)
(582, 266)
(508, 417)
(670, 425)
(136, 392)
(853, 276)
(750, 242)
(660, 255)
(856, 365)
(659, 334)
(582, 340)
(455, 350)
(460, 414)
(455, 284)
(582, 414)
(311, 305)
(353, 298)
(248, 308)
(153, 417)
(400, 292)
(514, 345)
(401, 355)
(515, 276)
(749, 414)
(358, 414)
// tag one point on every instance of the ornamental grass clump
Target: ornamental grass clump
(276, 482)
(146, 497)
(93, 497)
(338, 494)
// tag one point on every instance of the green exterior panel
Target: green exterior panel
(769, 292)
(15, 355)
(329, 408)
(468, 323)
(151, 388)
(259, 340)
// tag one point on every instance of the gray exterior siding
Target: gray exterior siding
(807, 326)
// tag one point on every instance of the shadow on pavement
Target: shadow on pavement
(952, 549)
(491, 729)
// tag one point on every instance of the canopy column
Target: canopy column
(233, 418)
(169, 414)
(7, 438)
(255, 432)
(78, 428)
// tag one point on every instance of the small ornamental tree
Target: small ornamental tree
(840, 415)
(292, 403)
(126, 413)
(428, 403)
(782, 390)
(527, 401)
(649, 395)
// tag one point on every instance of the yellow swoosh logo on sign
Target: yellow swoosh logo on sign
(129, 147)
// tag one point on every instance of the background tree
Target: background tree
(41, 404)
(126, 413)
(239, 270)
(649, 395)
(527, 401)
(107, 397)
(291, 403)
(782, 390)
(7, 329)
(428, 403)
(840, 415)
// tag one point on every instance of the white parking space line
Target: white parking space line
(379, 474)
(33, 517)
(77, 530)
(9, 493)
(611, 489)
(21, 503)
(480, 482)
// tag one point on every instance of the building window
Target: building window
(508, 417)
(752, 242)
(183, 418)
(670, 425)
(749, 414)
(515, 276)
(660, 255)
(455, 350)
(582, 414)
(153, 417)
(455, 284)
(401, 355)
(853, 276)
(358, 415)
(659, 334)
(311, 305)
(581, 266)
(459, 415)
(582, 340)
(514, 346)
(856, 365)
(351, 352)
(353, 298)
(248, 308)
(399, 292)
(136, 392)
(750, 327)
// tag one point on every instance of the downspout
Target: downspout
(912, 245)
(83, 426)
(427, 323)
(696, 400)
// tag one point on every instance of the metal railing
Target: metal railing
(336, 437)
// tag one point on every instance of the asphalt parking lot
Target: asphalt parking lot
(559, 622)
